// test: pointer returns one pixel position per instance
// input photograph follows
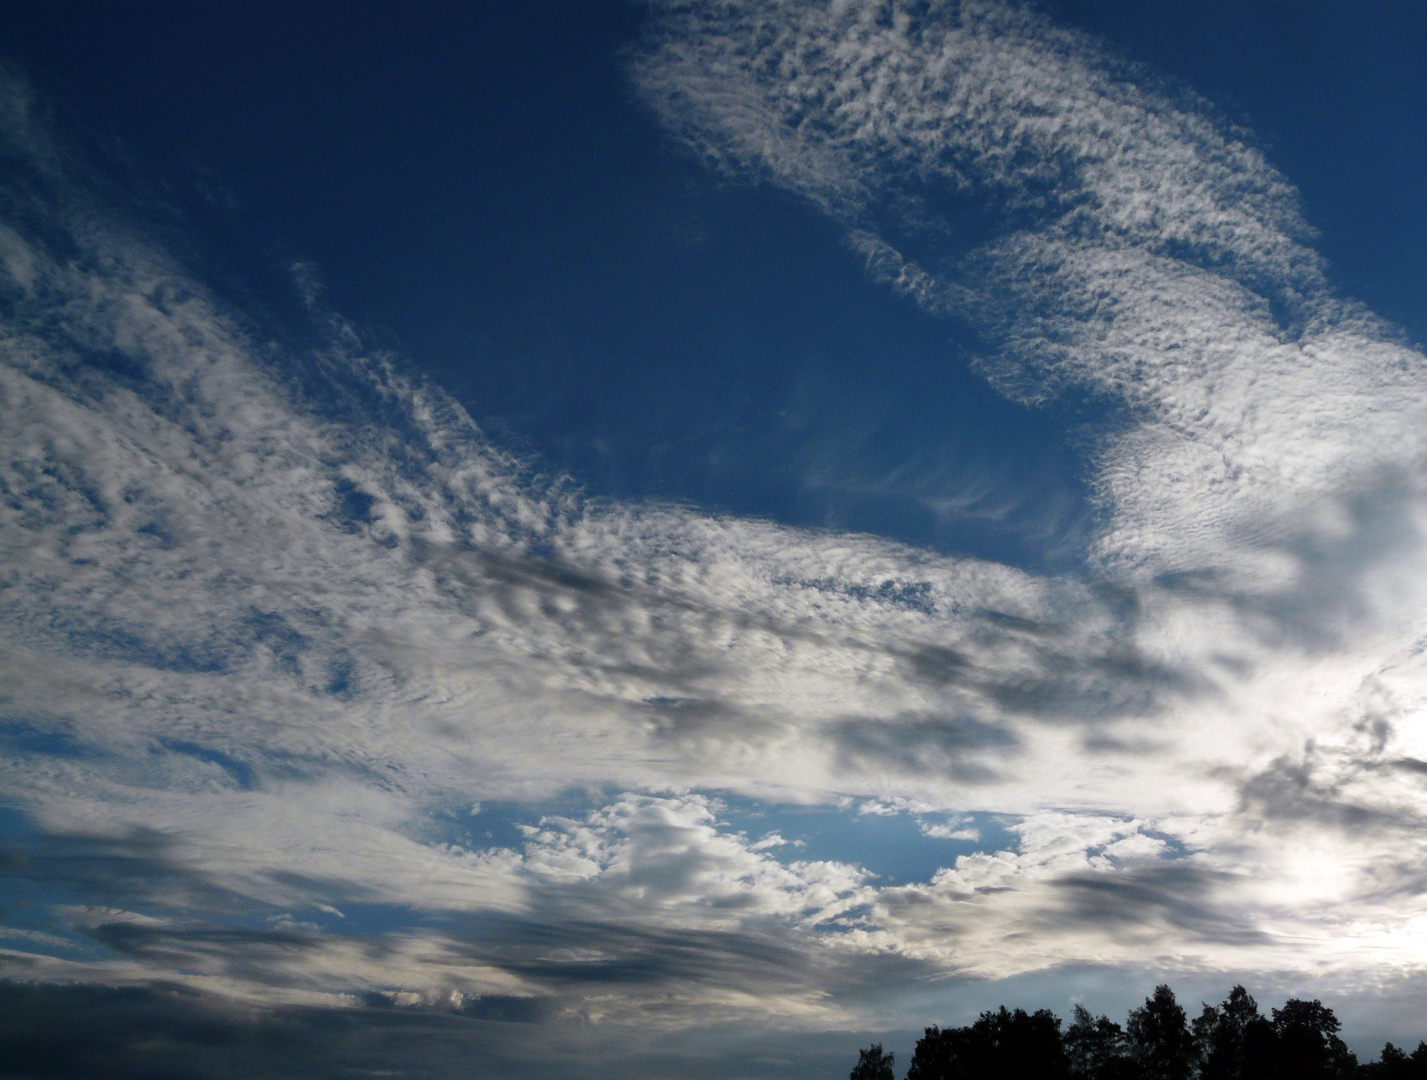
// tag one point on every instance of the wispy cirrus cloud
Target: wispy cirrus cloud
(1143, 251)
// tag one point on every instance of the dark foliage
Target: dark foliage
(873, 1064)
(1237, 1043)
(1097, 1049)
(1397, 1064)
(1308, 1043)
(1228, 1041)
(1160, 1040)
(1001, 1043)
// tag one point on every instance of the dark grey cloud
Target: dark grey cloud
(954, 747)
(108, 1033)
(50, 1032)
(1290, 790)
(1178, 893)
(570, 954)
(234, 951)
(1122, 682)
(140, 868)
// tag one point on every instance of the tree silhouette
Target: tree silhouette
(1096, 1048)
(937, 1055)
(1160, 1040)
(1228, 1041)
(1308, 1043)
(873, 1064)
(1236, 1042)
(1395, 1064)
(1004, 1043)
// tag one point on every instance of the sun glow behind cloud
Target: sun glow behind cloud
(277, 617)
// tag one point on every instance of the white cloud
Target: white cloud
(951, 831)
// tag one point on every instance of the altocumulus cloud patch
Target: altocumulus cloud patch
(318, 700)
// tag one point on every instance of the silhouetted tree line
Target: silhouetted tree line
(1229, 1041)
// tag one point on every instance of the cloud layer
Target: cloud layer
(276, 615)
(1259, 469)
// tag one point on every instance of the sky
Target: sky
(683, 539)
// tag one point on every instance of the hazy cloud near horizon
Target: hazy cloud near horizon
(280, 623)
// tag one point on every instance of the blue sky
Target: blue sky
(687, 538)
